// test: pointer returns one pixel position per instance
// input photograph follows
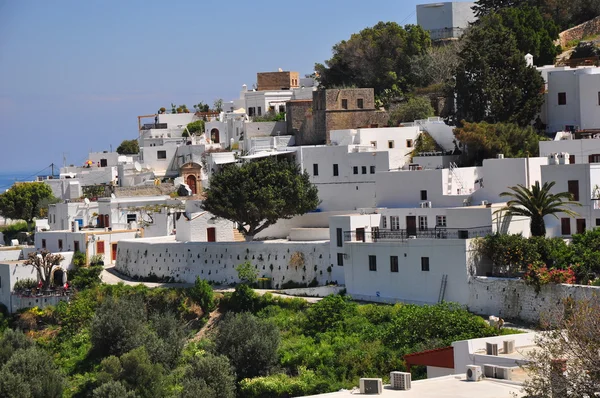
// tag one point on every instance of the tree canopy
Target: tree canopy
(415, 108)
(493, 82)
(128, 147)
(44, 263)
(24, 201)
(257, 194)
(377, 57)
(484, 141)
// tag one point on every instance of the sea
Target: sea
(8, 178)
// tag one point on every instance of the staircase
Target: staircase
(443, 288)
(453, 175)
(238, 236)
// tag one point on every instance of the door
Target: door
(580, 225)
(360, 234)
(114, 252)
(411, 225)
(76, 248)
(106, 221)
(214, 136)
(211, 234)
(191, 182)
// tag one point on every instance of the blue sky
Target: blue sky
(74, 75)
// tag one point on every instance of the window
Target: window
(335, 170)
(383, 222)
(574, 189)
(338, 236)
(598, 222)
(571, 159)
(394, 223)
(43, 243)
(374, 144)
(424, 263)
(131, 217)
(100, 247)
(390, 144)
(315, 169)
(599, 98)
(594, 158)
(344, 103)
(355, 169)
(409, 143)
(251, 111)
(440, 221)
(372, 263)
(103, 163)
(76, 244)
(60, 245)
(562, 98)
(161, 154)
(424, 194)
(372, 169)
(565, 226)
(281, 108)
(340, 259)
(422, 222)
(259, 111)
(360, 234)
(364, 169)
(360, 103)
(580, 223)
(393, 263)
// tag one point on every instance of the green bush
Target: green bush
(283, 386)
(328, 313)
(79, 259)
(202, 294)
(23, 284)
(11, 341)
(250, 344)
(213, 375)
(242, 299)
(112, 389)
(85, 277)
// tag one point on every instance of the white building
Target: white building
(580, 147)
(445, 20)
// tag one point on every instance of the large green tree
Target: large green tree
(493, 82)
(25, 200)
(377, 57)
(257, 194)
(536, 203)
(129, 147)
(416, 108)
(484, 141)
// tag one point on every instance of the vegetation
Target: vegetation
(12, 231)
(377, 57)
(196, 127)
(83, 276)
(537, 202)
(257, 194)
(24, 201)
(270, 116)
(129, 147)
(247, 273)
(484, 141)
(493, 83)
(416, 108)
(44, 262)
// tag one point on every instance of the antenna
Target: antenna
(137, 166)
(112, 195)
(86, 201)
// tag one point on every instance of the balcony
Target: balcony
(382, 235)
(150, 126)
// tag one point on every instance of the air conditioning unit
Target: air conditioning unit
(474, 373)
(489, 371)
(400, 380)
(504, 373)
(485, 203)
(509, 346)
(491, 349)
(500, 156)
(425, 205)
(371, 386)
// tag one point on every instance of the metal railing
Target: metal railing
(429, 233)
(446, 33)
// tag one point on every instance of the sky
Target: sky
(74, 75)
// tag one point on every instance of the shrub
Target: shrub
(141, 375)
(24, 284)
(247, 273)
(211, 374)
(202, 294)
(243, 299)
(328, 313)
(538, 276)
(282, 385)
(11, 341)
(166, 340)
(118, 326)
(31, 372)
(79, 259)
(85, 277)
(112, 389)
(250, 344)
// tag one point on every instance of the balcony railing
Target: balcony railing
(150, 126)
(403, 234)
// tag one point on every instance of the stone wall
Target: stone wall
(300, 122)
(586, 29)
(275, 81)
(513, 299)
(282, 261)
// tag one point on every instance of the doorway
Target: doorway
(114, 252)
(214, 136)
(360, 234)
(58, 277)
(411, 225)
(211, 234)
(191, 182)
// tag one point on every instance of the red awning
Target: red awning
(440, 357)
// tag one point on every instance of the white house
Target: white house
(445, 20)
(581, 147)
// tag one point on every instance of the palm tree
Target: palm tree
(536, 203)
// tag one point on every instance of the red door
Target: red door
(106, 221)
(211, 234)
(411, 225)
(114, 252)
(191, 182)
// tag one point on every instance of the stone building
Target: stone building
(341, 109)
(275, 81)
(299, 119)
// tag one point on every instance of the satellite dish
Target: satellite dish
(137, 166)
(112, 195)
(86, 201)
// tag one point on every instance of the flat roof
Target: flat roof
(455, 386)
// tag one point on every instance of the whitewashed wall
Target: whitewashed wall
(195, 229)
(217, 261)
